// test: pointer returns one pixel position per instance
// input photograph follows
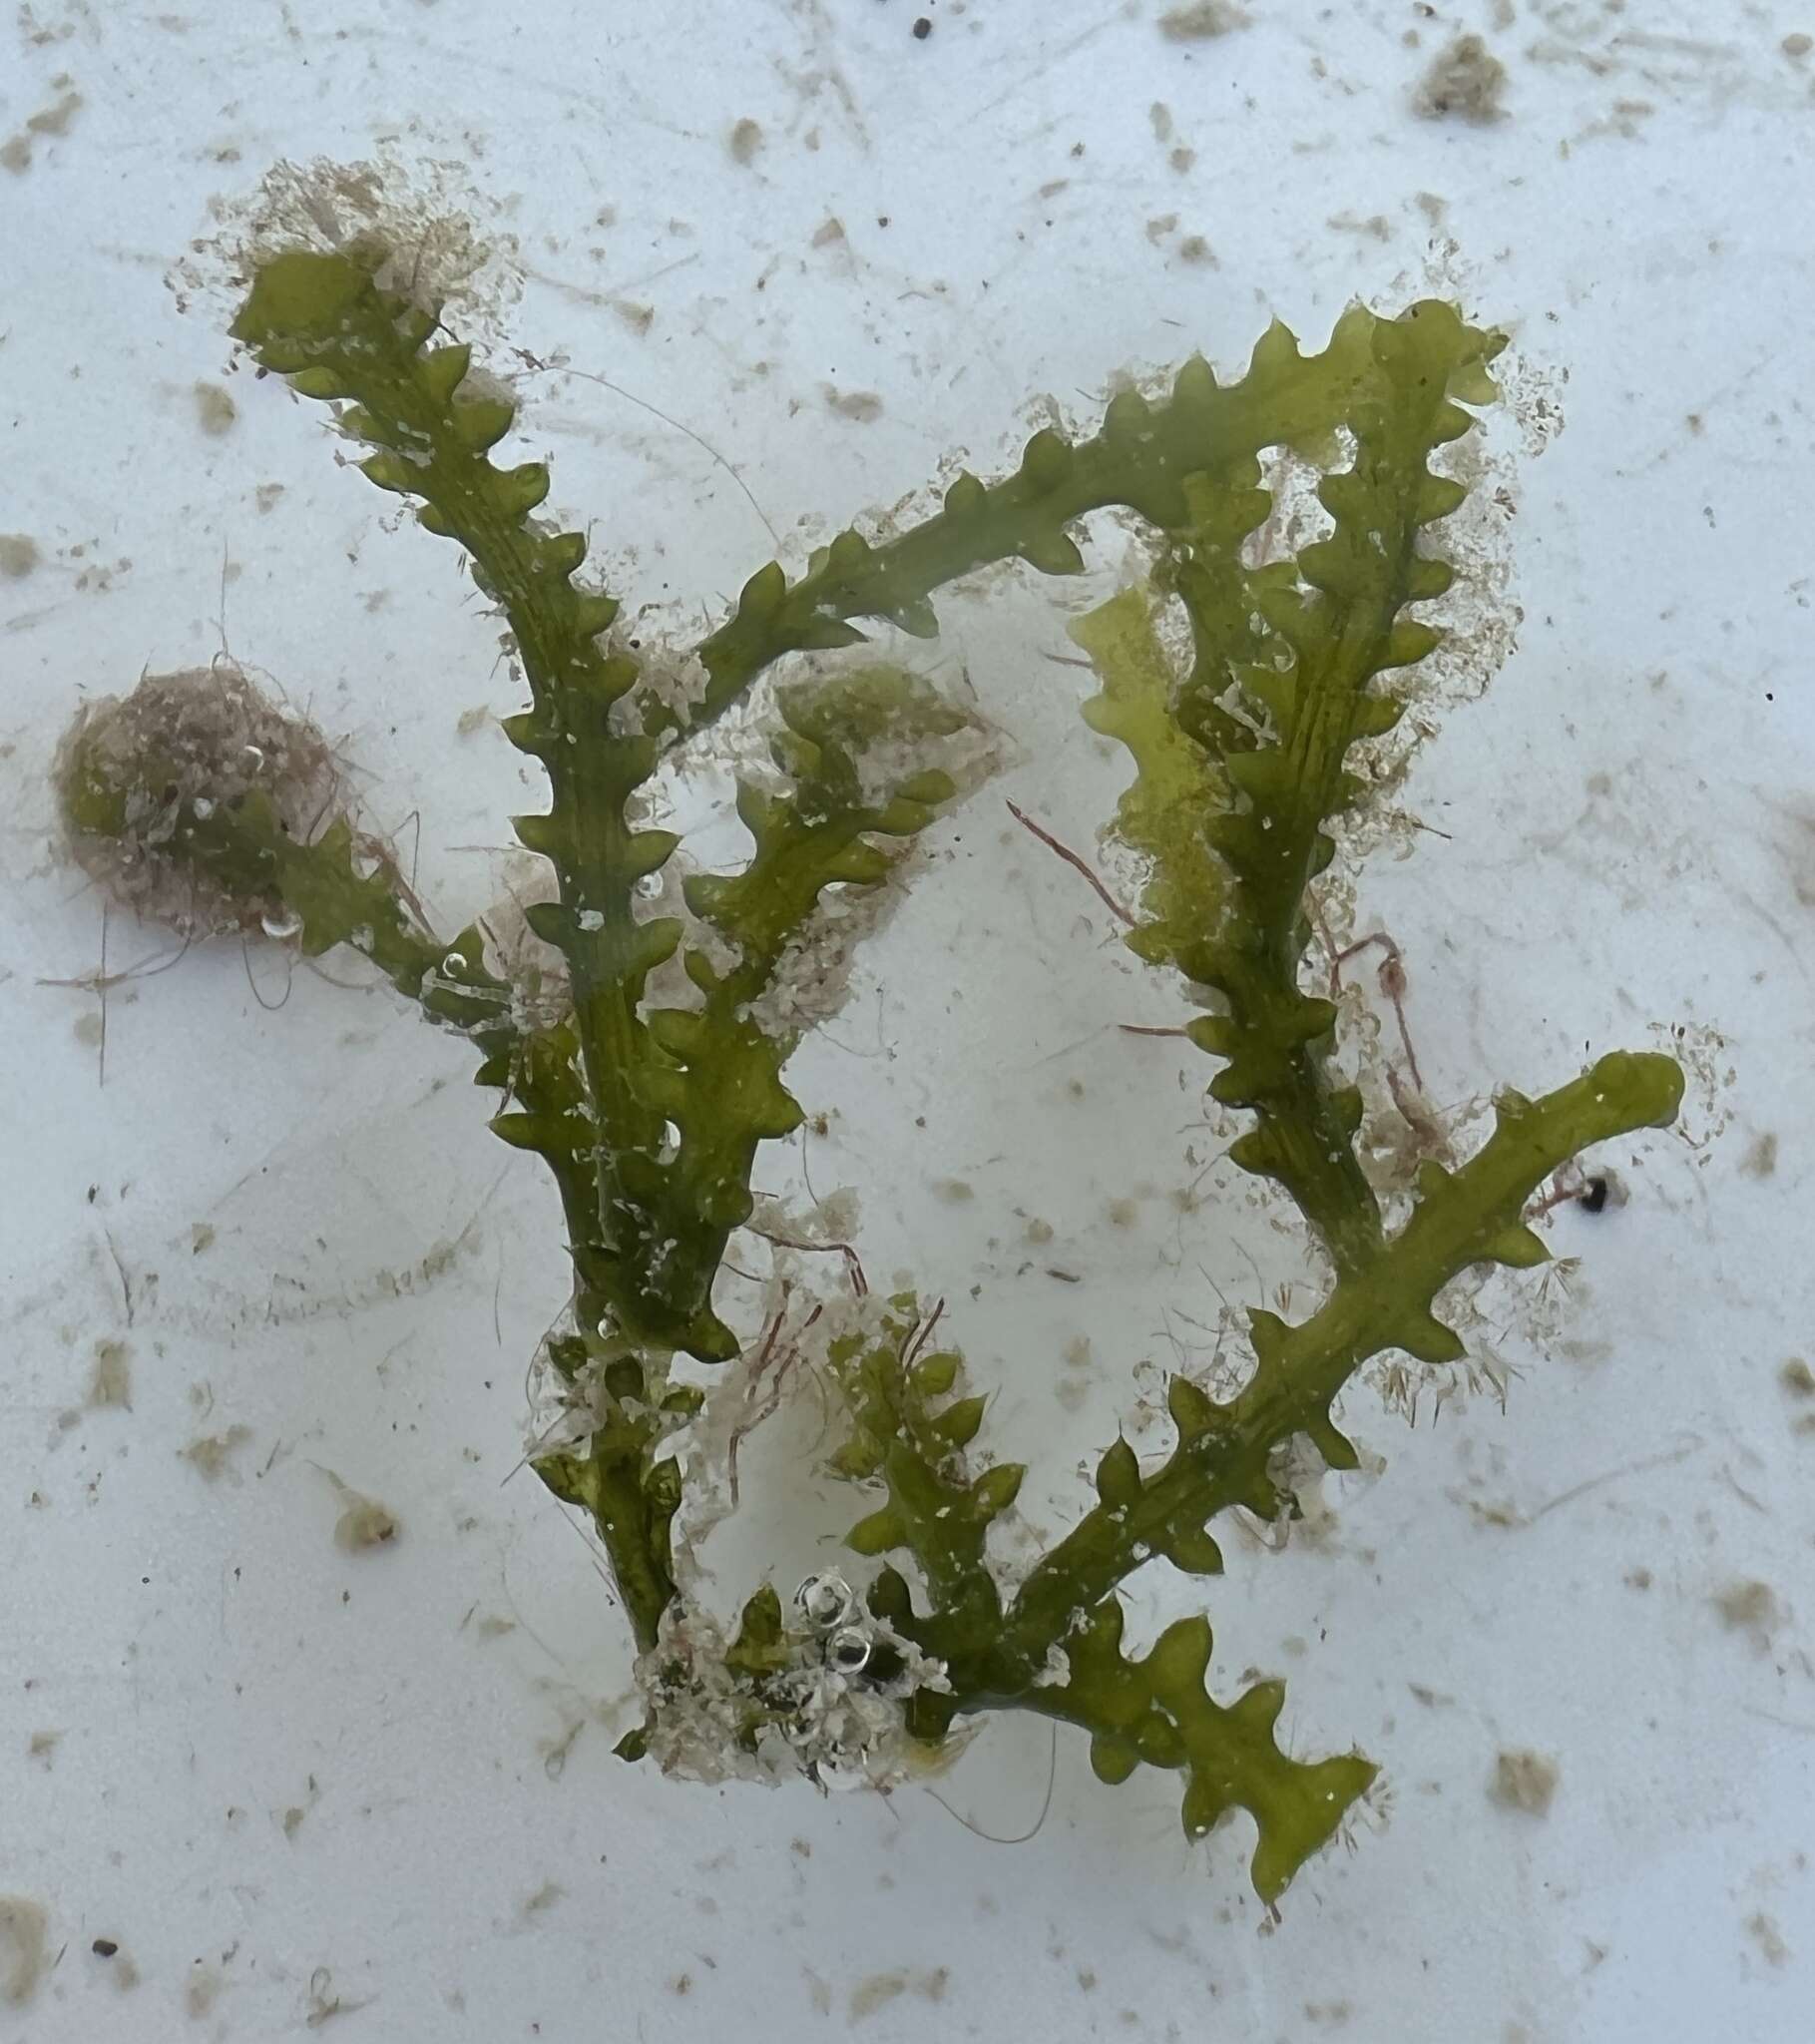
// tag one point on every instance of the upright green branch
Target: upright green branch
(323, 322)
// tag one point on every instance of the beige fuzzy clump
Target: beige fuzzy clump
(1525, 1780)
(134, 771)
(1200, 22)
(23, 1941)
(364, 1524)
(212, 1453)
(430, 237)
(1751, 1607)
(111, 1382)
(1465, 81)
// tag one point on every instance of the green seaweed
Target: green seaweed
(649, 1099)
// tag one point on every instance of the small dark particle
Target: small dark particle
(922, 29)
(1596, 1198)
(103, 1948)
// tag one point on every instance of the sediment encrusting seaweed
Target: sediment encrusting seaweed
(646, 1064)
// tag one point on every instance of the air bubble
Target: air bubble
(824, 1600)
(281, 922)
(253, 756)
(591, 919)
(850, 1650)
(455, 961)
(649, 885)
(204, 808)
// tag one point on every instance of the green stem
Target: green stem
(630, 1500)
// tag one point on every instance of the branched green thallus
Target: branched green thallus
(648, 1092)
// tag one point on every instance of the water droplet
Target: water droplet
(824, 1600)
(281, 922)
(848, 1650)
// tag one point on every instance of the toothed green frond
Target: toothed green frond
(854, 749)
(325, 322)
(1242, 761)
(1148, 457)
(908, 1424)
(632, 1500)
(1154, 1711)
(1179, 786)
(1220, 1456)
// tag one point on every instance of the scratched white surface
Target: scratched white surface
(1631, 843)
